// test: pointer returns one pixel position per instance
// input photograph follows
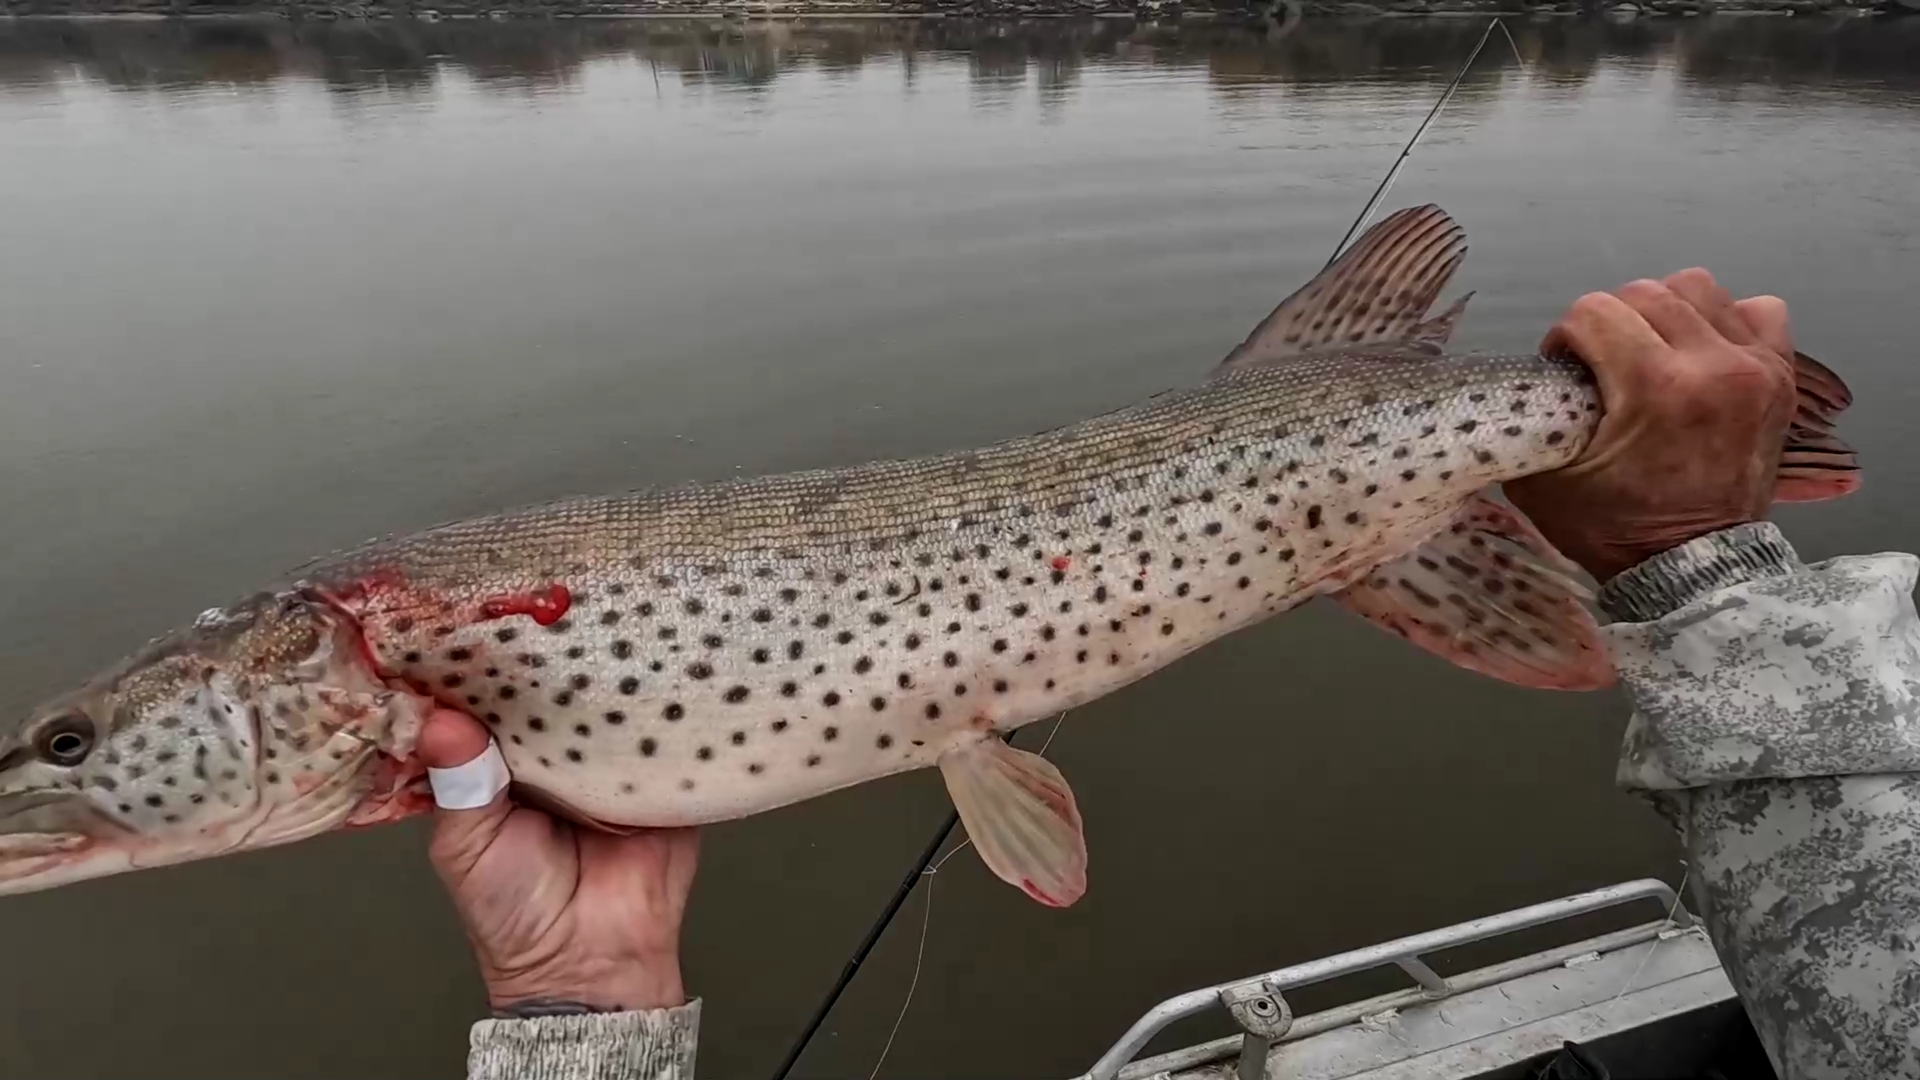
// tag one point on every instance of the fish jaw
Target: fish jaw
(261, 724)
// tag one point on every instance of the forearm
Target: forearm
(1775, 724)
(652, 1044)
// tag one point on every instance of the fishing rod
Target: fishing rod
(919, 869)
(1393, 171)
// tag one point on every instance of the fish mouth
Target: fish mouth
(37, 855)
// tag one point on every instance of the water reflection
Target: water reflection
(1856, 57)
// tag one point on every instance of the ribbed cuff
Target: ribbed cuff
(655, 1044)
(1675, 578)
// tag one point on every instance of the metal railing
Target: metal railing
(1259, 1007)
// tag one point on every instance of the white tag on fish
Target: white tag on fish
(473, 785)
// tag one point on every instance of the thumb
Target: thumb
(462, 765)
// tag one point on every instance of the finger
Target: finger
(464, 769)
(1612, 339)
(1767, 315)
(1675, 320)
(1713, 302)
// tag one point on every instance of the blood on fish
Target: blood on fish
(398, 790)
(1061, 562)
(545, 608)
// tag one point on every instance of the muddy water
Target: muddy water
(265, 291)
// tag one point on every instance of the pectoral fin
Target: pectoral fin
(1491, 595)
(1021, 816)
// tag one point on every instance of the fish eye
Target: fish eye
(65, 741)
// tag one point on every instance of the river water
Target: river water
(268, 290)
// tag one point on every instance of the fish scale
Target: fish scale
(738, 646)
(708, 651)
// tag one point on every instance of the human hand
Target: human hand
(562, 917)
(1698, 390)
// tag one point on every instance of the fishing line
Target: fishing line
(900, 893)
(919, 957)
(924, 866)
(1393, 172)
(1679, 891)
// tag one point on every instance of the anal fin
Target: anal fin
(1021, 817)
(1489, 594)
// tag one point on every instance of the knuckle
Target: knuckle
(1593, 306)
(1644, 291)
(1695, 277)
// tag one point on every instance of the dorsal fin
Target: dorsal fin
(1377, 292)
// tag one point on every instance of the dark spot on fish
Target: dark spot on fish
(673, 711)
(1353, 517)
(830, 698)
(1313, 516)
(705, 753)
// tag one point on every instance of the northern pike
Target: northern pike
(701, 652)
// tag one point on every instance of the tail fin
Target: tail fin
(1815, 463)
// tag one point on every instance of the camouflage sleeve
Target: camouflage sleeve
(656, 1044)
(1776, 725)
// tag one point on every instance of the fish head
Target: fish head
(259, 724)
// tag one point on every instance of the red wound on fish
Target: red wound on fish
(544, 607)
(1061, 562)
